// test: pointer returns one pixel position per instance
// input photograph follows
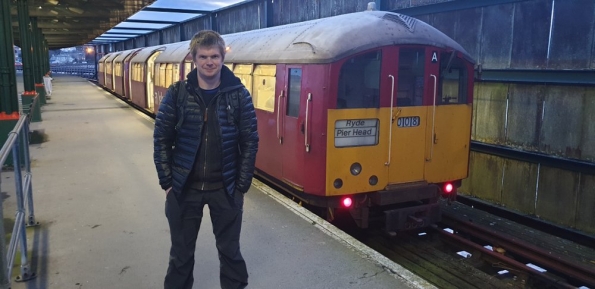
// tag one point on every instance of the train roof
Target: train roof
(329, 39)
(144, 54)
(103, 58)
(124, 54)
(175, 52)
(112, 55)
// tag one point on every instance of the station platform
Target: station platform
(102, 220)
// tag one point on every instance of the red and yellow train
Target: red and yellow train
(368, 111)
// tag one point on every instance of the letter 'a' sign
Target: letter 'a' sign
(356, 132)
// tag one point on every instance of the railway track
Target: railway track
(474, 249)
(488, 253)
(551, 269)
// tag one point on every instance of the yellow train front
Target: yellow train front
(369, 112)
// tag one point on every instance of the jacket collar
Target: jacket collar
(228, 79)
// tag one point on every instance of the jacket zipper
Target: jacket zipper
(205, 120)
(204, 172)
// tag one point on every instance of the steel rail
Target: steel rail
(525, 250)
(573, 235)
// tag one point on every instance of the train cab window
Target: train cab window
(410, 85)
(294, 92)
(453, 80)
(359, 82)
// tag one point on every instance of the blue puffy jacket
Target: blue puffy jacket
(175, 148)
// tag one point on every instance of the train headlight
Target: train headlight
(355, 169)
(338, 183)
(373, 180)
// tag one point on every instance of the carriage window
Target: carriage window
(168, 75)
(187, 68)
(453, 80)
(359, 82)
(263, 93)
(156, 75)
(410, 87)
(294, 91)
(176, 73)
(244, 73)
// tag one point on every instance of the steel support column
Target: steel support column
(95, 60)
(29, 62)
(9, 105)
(25, 33)
(46, 54)
(37, 56)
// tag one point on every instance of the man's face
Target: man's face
(208, 62)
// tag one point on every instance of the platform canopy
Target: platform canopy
(68, 23)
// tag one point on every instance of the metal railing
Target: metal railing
(18, 144)
(80, 69)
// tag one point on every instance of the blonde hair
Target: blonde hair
(207, 39)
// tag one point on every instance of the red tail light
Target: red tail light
(448, 188)
(347, 202)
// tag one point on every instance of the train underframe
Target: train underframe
(397, 208)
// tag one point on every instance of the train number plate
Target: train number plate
(408, 121)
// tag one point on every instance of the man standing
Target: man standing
(205, 144)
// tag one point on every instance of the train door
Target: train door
(292, 144)
(114, 70)
(408, 130)
(449, 115)
(270, 117)
(128, 74)
(150, 71)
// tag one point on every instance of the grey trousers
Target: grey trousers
(184, 218)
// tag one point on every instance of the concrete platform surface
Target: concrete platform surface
(103, 225)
